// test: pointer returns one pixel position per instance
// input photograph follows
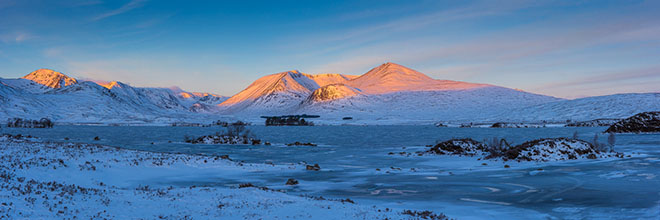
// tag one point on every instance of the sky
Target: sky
(567, 49)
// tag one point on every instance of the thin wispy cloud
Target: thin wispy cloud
(652, 73)
(152, 21)
(133, 4)
(16, 37)
(351, 37)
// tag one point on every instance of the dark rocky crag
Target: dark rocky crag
(642, 122)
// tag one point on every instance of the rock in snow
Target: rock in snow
(555, 149)
(465, 146)
(642, 122)
(547, 149)
(224, 139)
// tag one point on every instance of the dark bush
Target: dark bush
(27, 123)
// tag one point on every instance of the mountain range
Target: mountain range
(387, 94)
(47, 93)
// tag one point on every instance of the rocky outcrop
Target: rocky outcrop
(554, 149)
(465, 146)
(642, 122)
(224, 139)
(515, 125)
(333, 92)
(593, 123)
(301, 144)
(547, 149)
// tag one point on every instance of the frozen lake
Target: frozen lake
(355, 163)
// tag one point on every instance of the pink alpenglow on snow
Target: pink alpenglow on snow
(50, 78)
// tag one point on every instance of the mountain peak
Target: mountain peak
(391, 77)
(113, 84)
(390, 68)
(50, 78)
(291, 83)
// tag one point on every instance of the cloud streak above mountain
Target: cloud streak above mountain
(133, 4)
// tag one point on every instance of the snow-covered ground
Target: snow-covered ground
(67, 180)
(355, 162)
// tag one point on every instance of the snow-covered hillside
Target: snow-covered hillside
(46, 93)
(583, 109)
(424, 107)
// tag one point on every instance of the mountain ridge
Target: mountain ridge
(387, 94)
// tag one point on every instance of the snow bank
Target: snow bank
(66, 180)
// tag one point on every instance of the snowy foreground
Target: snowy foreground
(67, 180)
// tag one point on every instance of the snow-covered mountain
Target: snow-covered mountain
(50, 78)
(392, 77)
(385, 93)
(280, 92)
(47, 93)
(394, 94)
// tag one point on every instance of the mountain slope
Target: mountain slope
(25, 85)
(583, 109)
(425, 107)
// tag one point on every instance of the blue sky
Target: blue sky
(561, 48)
